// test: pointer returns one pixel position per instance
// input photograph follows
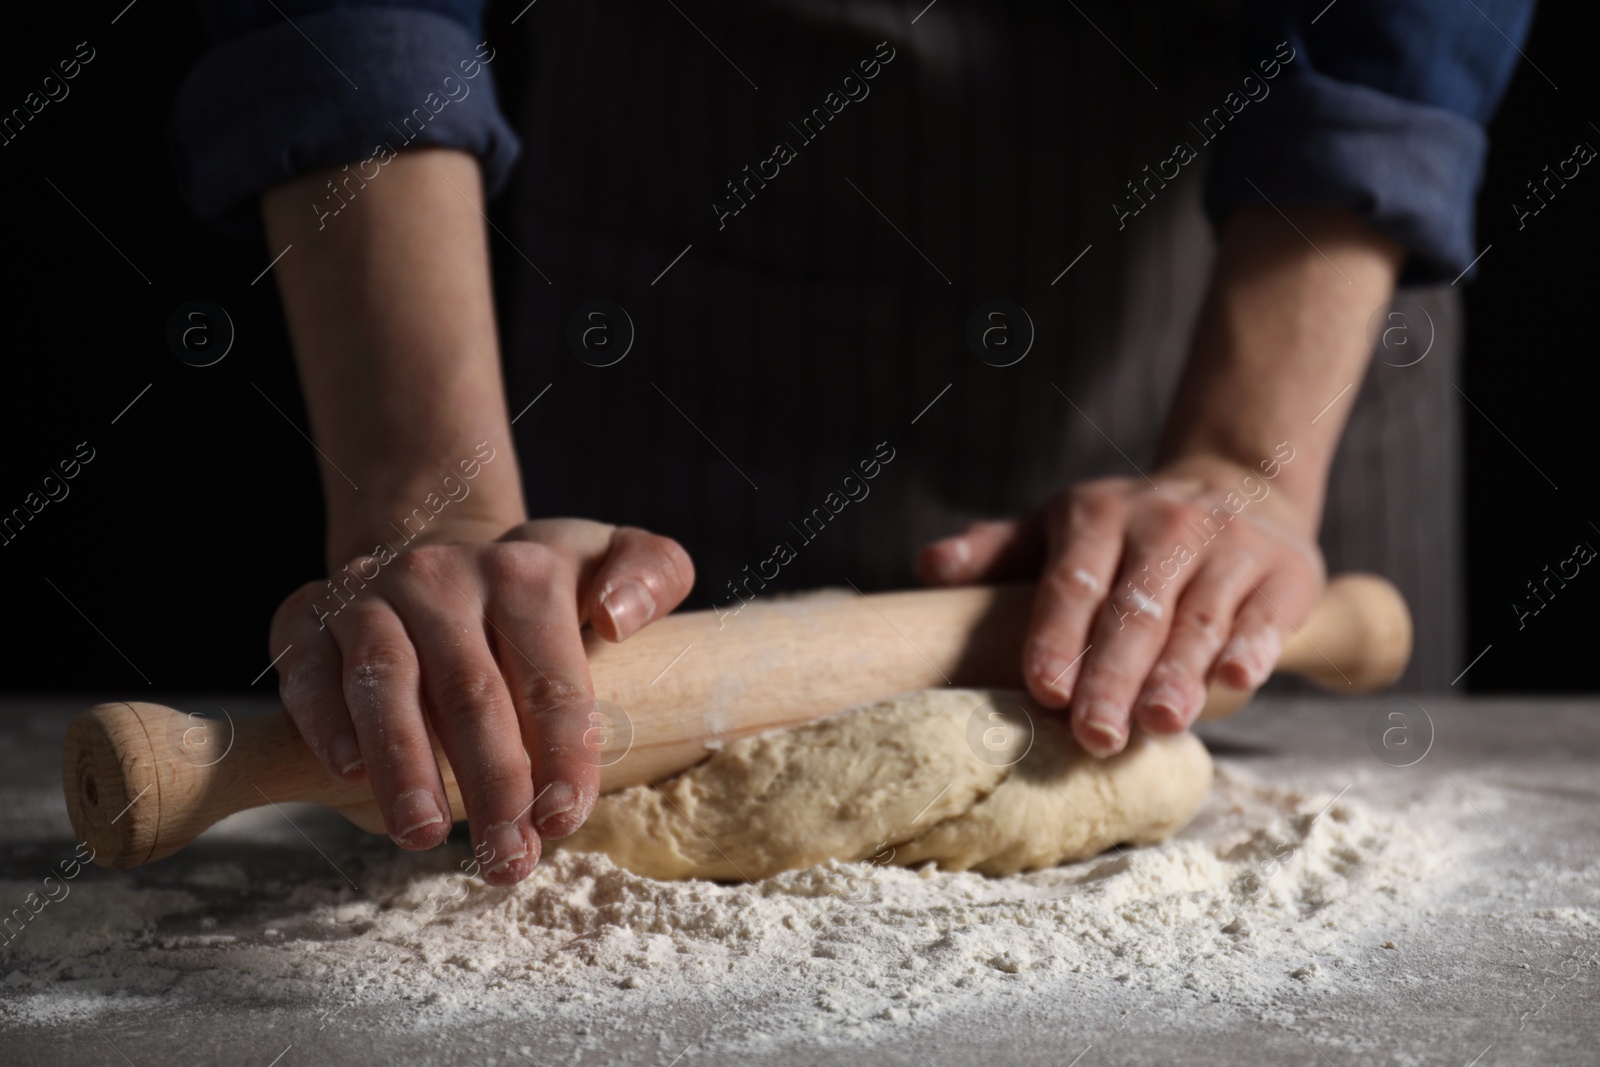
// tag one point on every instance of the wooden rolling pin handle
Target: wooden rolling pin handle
(1358, 640)
(143, 780)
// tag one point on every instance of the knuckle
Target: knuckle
(425, 563)
(1162, 522)
(404, 758)
(1088, 507)
(518, 563)
(500, 779)
(1106, 680)
(667, 563)
(363, 616)
(1178, 515)
(1169, 670)
(377, 662)
(547, 692)
(1144, 621)
(1046, 647)
(1060, 584)
(1126, 615)
(1204, 623)
(1233, 563)
(468, 690)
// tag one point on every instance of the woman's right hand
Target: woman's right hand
(478, 640)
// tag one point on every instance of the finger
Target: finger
(985, 552)
(1126, 639)
(1175, 690)
(470, 709)
(541, 652)
(379, 679)
(309, 682)
(311, 685)
(1271, 609)
(1085, 545)
(642, 577)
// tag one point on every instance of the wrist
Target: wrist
(419, 526)
(472, 503)
(1281, 342)
(1267, 480)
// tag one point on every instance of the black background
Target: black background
(200, 509)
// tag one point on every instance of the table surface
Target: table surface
(1467, 990)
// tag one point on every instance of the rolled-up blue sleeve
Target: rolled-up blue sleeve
(299, 85)
(1381, 110)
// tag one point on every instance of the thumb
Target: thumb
(643, 577)
(1001, 550)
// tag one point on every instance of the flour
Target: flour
(1266, 897)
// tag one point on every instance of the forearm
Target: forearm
(391, 316)
(1284, 329)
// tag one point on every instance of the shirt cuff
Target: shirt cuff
(271, 105)
(1410, 170)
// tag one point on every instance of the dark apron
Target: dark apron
(839, 285)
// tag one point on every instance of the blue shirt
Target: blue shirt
(1381, 110)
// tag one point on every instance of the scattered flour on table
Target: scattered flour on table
(1266, 896)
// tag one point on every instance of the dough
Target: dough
(971, 779)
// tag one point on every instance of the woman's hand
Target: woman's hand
(470, 630)
(477, 638)
(1151, 587)
(1148, 589)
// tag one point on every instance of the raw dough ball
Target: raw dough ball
(970, 779)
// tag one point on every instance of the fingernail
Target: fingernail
(1166, 707)
(558, 798)
(953, 562)
(1255, 654)
(628, 604)
(1099, 721)
(1052, 675)
(506, 845)
(415, 810)
(345, 755)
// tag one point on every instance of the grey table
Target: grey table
(1473, 999)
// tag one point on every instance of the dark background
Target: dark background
(200, 508)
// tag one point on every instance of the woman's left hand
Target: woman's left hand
(1148, 589)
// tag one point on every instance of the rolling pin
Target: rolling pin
(143, 780)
